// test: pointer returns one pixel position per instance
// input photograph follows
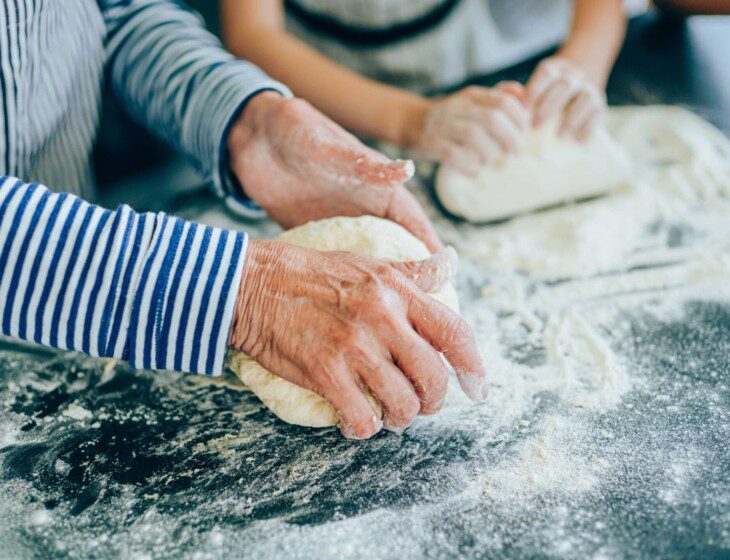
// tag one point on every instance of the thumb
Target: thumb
(432, 273)
(405, 210)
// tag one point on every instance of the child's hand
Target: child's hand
(560, 85)
(474, 126)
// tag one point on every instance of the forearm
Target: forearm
(176, 78)
(148, 288)
(375, 110)
(597, 33)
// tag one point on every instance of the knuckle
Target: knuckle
(376, 296)
(434, 387)
(352, 339)
(503, 102)
(457, 330)
(328, 375)
(471, 133)
(385, 272)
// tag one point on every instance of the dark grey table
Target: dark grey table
(165, 467)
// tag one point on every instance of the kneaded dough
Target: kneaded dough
(366, 235)
(548, 170)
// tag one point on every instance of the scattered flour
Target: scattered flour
(549, 289)
(543, 463)
(77, 412)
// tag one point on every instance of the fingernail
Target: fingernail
(395, 429)
(349, 433)
(471, 385)
(485, 391)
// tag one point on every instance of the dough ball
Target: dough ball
(548, 170)
(366, 235)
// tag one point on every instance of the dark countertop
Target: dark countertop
(166, 466)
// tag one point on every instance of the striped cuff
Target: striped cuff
(185, 297)
(152, 289)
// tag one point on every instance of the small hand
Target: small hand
(559, 85)
(473, 127)
(300, 166)
(335, 323)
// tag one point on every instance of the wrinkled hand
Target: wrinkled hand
(335, 323)
(300, 166)
(558, 85)
(473, 127)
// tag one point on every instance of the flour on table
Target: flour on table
(366, 235)
(548, 295)
(547, 170)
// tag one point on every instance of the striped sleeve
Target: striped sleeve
(176, 78)
(148, 288)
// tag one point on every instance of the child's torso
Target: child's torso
(428, 44)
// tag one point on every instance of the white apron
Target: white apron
(428, 44)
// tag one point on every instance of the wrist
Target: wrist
(252, 120)
(412, 120)
(593, 65)
(248, 287)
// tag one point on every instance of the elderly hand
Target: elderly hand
(335, 323)
(473, 127)
(560, 85)
(300, 166)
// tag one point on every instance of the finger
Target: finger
(405, 210)
(383, 174)
(394, 392)
(577, 112)
(423, 367)
(553, 101)
(432, 273)
(509, 104)
(355, 163)
(450, 334)
(544, 76)
(589, 125)
(358, 419)
(464, 159)
(516, 89)
(503, 129)
(476, 142)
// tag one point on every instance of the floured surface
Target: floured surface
(605, 434)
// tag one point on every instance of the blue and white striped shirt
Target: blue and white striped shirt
(148, 288)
